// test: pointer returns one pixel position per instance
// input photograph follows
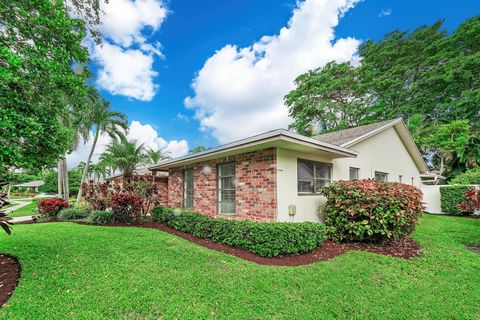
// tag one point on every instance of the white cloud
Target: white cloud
(239, 91)
(143, 133)
(124, 20)
(125, 71)
(126, 56)
(385, 13)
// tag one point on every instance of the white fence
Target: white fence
(431, 197)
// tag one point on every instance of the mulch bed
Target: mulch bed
(9, 275)
(405, 248)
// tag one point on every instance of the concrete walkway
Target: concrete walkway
(18, 205)
(20, 219)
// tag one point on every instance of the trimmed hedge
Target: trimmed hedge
(267, 239)
(371, 211)
(451, 197)
(471, 176)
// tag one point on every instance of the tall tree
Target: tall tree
(155, 156)
(126, 156)
(39, 43)
(102, 120)
(329, 98)
(427, 74)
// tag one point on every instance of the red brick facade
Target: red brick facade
(162, 185)
(256, 177)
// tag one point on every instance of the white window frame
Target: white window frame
(357, 172)
(185, 194)
(220, 189)
(382, 174)
(314, 178)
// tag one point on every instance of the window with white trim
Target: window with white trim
(354, 173)
(188, 188)
(381, 176)
(226, 188)
(312, 176)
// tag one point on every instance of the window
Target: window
(226, 188)
(354, 173)
(188, 188)
(381, 176)
(312, 176)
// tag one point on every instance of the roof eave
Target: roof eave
(257, 140)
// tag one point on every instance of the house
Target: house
(278, 175)
(32, 185)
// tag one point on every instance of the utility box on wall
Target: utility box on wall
(292, 210)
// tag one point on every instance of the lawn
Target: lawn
(87, 272)
(24, 211)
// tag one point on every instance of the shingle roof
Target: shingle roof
(342, 137)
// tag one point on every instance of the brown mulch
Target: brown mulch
(405, 248)
(9, 275)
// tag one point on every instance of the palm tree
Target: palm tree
(156, 156)
(102, 119)
(126, 156)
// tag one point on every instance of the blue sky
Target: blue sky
(239, 92)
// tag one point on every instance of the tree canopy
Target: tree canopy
(427, 76)
(42, 78)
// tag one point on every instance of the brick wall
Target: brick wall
(255, 186)
(162, 185)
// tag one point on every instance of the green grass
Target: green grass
(27, 210)
(86, 272)
(23, 211)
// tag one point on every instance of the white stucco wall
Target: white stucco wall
(431, 198)
(306, 205)
(383, 152)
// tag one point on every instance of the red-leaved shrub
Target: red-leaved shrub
(97, 195)
(472, 202)
(126, 207)
(51, 207)
(371, 211)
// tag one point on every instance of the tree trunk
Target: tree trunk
(66, 187)
(60, 179)
(85, 170)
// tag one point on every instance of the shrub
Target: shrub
(100, 217)
(371, 211)
(126, 207)
(51, 207)
(267, 239)
(472, 202)
(471, 176)
(83, 205)
(451, 197)
(97, 195)
(70, 214)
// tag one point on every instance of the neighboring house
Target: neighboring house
(32, 185)
(278, 175)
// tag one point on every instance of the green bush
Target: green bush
(471, 176)
(451, 197)
(71, 214)
(371, 211)
(267, 239)
(100, 217)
